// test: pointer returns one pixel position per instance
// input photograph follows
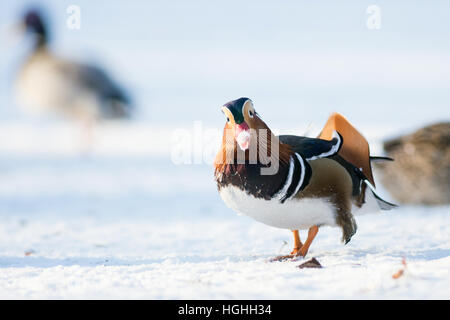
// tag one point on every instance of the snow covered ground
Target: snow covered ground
(134, 225)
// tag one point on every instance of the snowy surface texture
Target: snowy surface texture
(101, 225)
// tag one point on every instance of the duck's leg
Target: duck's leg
(297, 246)
(312, 232)
(297, 242)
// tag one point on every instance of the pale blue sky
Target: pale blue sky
(303, 59)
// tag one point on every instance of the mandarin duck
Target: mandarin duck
(294, 182)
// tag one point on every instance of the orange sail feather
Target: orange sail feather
(355, 148)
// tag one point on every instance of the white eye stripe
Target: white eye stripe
(227, 114)
(251, 113)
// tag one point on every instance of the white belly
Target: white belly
(292, 214)
(43, 88)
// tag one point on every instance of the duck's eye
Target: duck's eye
(228, 119)
(250, 113)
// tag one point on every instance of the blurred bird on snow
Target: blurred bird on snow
(47, 84)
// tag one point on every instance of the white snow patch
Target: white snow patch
(129, 224)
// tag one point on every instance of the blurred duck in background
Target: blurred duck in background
(50, 85)
(421, 171)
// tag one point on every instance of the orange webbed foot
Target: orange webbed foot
(283, 258)
(294, 254)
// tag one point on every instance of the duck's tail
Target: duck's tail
(355, 150)
(383, 204)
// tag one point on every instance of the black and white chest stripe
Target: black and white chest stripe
(300, 171)
(297, 178)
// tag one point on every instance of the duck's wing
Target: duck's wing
(355, 150)
(313, 148)
(354, 155)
